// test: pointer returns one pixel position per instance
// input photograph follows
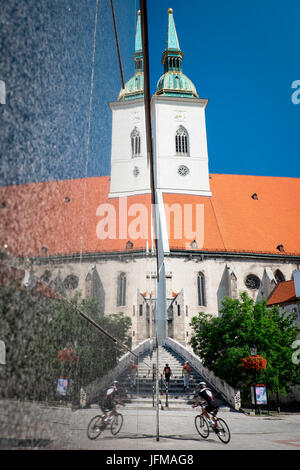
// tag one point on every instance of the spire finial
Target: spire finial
(172, 39)
(172, 55)
(138, 35)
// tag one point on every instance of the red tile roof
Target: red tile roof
(61, 217)
(284, 292)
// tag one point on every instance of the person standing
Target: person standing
(186, 370)
(133, 373)
(167, 373)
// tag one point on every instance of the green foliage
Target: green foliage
(35, 328)
(223, 341)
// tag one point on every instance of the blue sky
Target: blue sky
(243, 56)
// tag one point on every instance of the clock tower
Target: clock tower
(129, 170)
(178, 129)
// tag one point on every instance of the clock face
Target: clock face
(136, 171)
(183, 170)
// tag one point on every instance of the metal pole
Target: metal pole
(117, 43)
(153, 384)
(144, 25)
(157, 393)
(255, 379)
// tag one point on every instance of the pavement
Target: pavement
(38, 426)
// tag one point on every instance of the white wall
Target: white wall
(183, 278)
(168, 114)
(125, 116)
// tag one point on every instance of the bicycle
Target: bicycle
(218, 425)
(115, 422)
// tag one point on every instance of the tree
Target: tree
(223, 341)
(35, 328)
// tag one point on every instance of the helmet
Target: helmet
(115, 382)
(202, 384)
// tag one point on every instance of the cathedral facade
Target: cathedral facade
(221, 234)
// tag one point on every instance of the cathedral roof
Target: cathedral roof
(245, 214)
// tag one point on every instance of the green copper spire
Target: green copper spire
(134, 88)
(138, 35)
(174, 82)
(172, 39)
(172, 56)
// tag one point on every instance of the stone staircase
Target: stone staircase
(142, 396)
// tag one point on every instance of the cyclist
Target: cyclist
(212, 407)
(110, 401)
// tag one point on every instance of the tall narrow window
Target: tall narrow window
(279, 277)
(181, 141)
(121, 300)
(201, 289)
(135, 143)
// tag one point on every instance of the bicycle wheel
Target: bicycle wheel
(202, 426)
(116, 423)
(223, 433)
(93, 429)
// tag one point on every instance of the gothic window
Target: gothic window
(93, 288)
(279, 277)
(252, 282)
(71, 282)
(121, 301)
(46, 276)
(135, 143)
(181, 141)
(201, 289)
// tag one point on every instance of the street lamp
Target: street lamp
(253, 352)
(256, 362)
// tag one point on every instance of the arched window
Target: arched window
(121, 300)
(135, 143)
(279, 277)
(201, 289)
(181, 141)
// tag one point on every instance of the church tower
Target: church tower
(178, 129)
(129, 171)
(178, 115)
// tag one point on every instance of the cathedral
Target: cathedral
(221, 234)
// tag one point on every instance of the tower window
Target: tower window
(121, 300)
(135, 143)
(201, 289)
(181, 141)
